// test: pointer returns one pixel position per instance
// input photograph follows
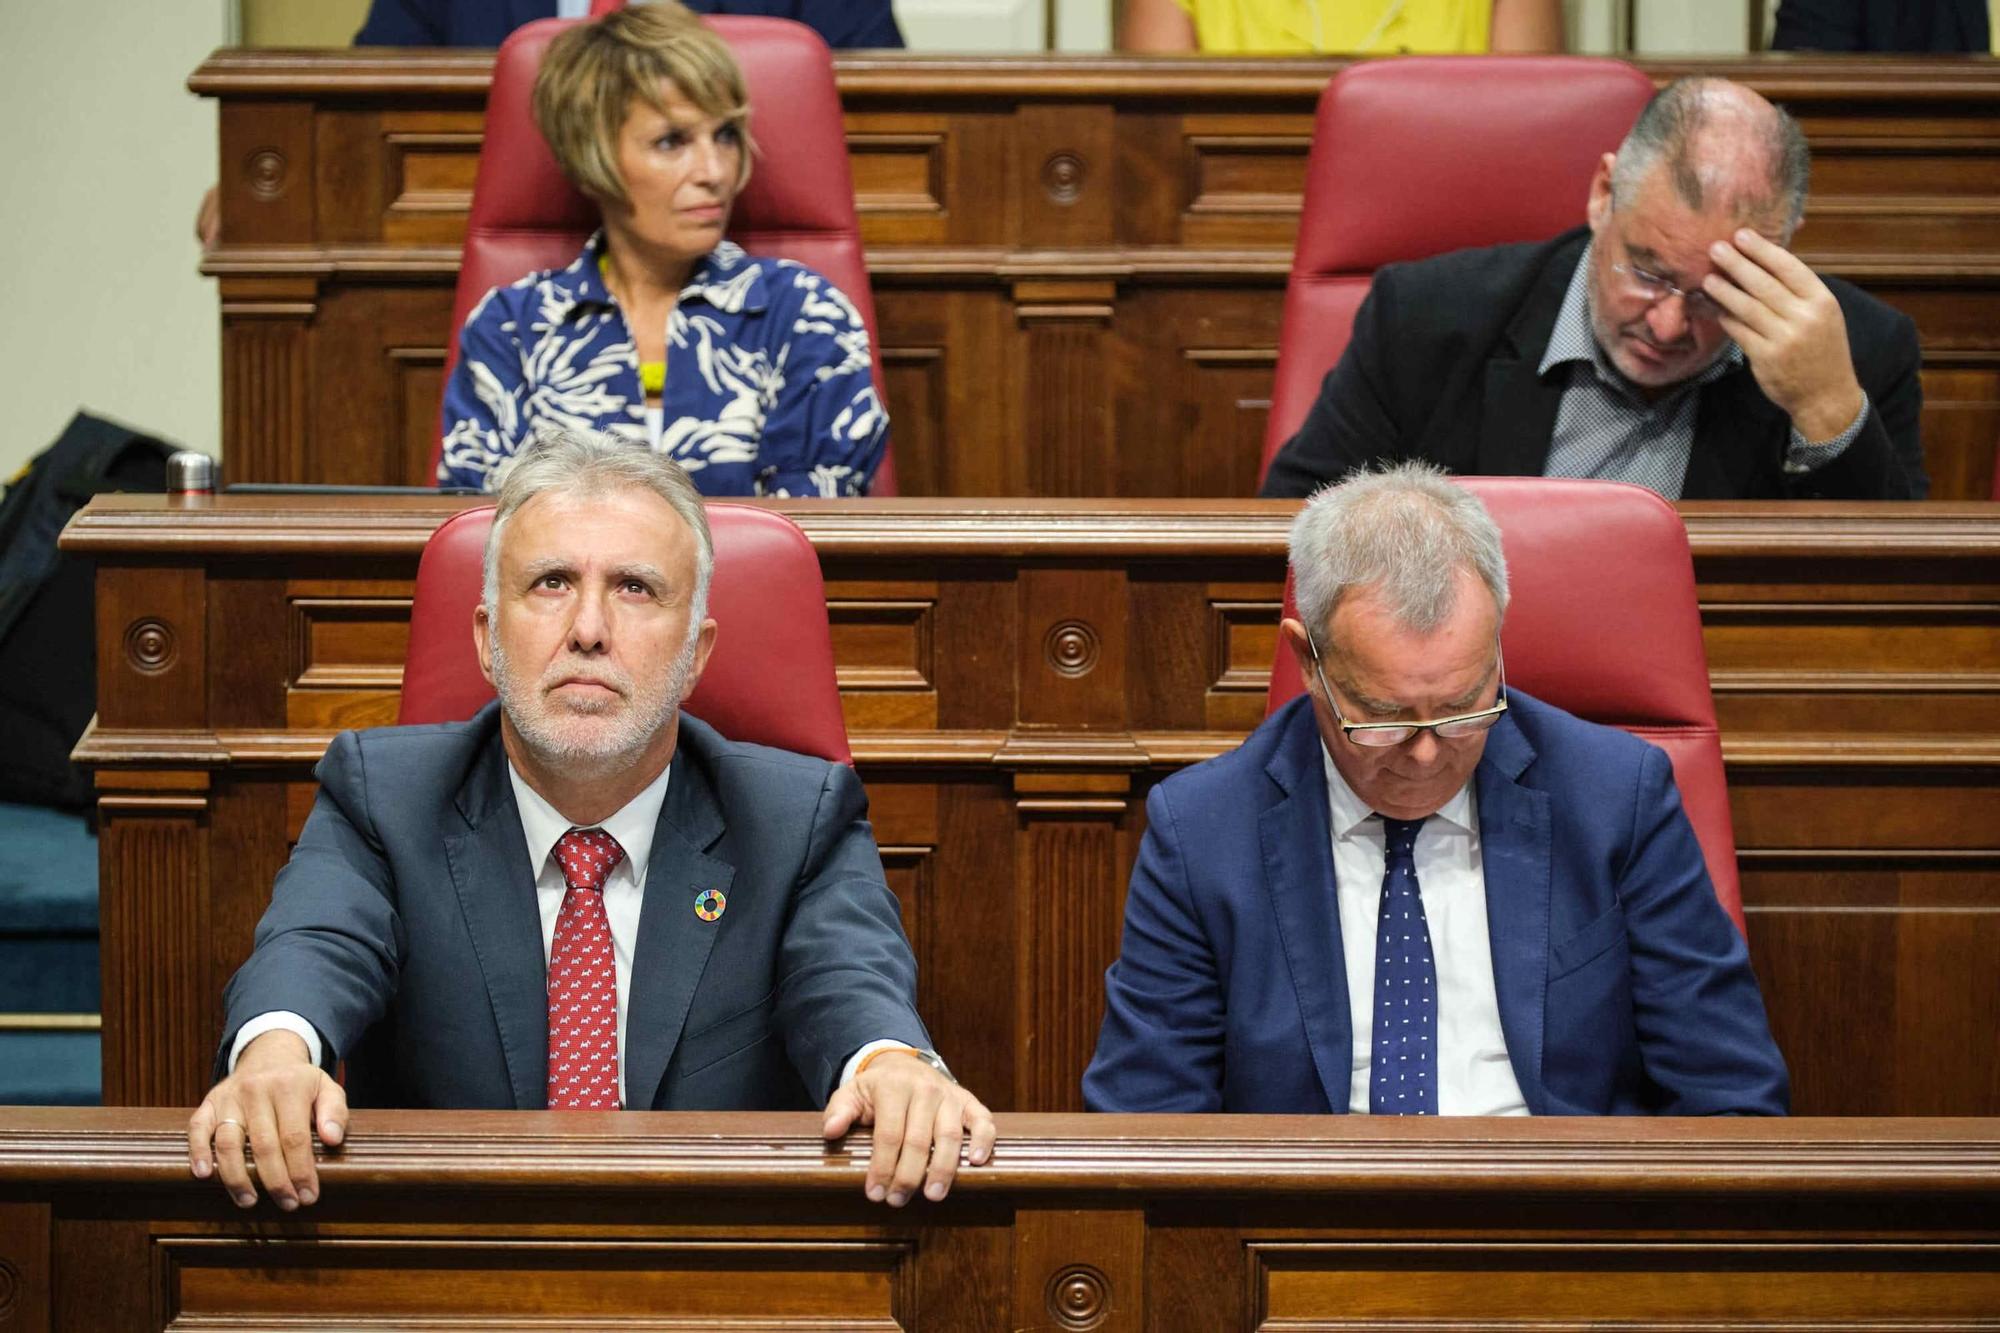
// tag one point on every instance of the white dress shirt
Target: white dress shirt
(542, 825)
(1474, 1077)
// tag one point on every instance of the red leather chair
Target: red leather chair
(1422, 155)
(770, 679)
(525, 214)
(1603, 622)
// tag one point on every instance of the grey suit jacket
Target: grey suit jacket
(406, 930)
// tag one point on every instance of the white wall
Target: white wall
(105, 158)
(973, 25)
(1690, 27)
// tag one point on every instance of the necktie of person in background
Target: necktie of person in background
(1402, 1062)
(583, 979)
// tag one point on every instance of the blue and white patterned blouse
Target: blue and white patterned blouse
(768, 391)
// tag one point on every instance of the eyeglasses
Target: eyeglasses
(1383, 735)
(1654, 288)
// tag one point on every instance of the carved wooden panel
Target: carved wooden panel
(265, 179)
(338, 1283)
(430, 177)
(266, 377)
(1962, 428)
(376, 415)
(1069, 933)
(1242, 178)
(24, 1268)
(914, 380)
(898, 173)
(1067, 343)
(1830, 927)
(396, 174)
(1362, 1286)
(152, 646)
(1194, 365)
(153, 871)
(1080, 1270)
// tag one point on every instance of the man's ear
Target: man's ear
(482, 636)
(704, 644)
(1598, 207)
(1293, 634)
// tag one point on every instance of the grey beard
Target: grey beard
(545, 739)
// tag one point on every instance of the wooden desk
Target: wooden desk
(1017, 675)
(1078, 262)
(540, 1220)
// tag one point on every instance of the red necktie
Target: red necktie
(583, 979)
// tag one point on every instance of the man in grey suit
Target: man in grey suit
(581, 898)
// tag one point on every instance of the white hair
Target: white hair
(1403, 533)
(564, 461)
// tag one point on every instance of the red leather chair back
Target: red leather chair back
(1603, 622)
(1422, 155)
(770, 679)
(799, 204)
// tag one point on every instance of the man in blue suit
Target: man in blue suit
(581, 898)
(1414, 891)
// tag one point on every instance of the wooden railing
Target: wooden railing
(513, 1221)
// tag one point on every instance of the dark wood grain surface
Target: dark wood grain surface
(584, 1220)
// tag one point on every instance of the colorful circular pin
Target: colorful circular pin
(709, 903)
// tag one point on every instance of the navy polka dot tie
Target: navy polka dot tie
(583, 979)
(1402, 1061)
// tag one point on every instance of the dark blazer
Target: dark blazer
(1883, 25)
(1623, 986)
(405, 929)
(1443, 366)
(843, 23)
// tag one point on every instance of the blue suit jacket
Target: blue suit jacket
(406, 929)
(843, 23)
(1623, 986)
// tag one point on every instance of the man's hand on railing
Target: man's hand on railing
(271, 1103)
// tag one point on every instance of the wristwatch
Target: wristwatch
(928, 1057)
(934, 1060)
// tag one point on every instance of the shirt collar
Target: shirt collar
(633, 825)
(1350, 812)
(726, 278)
(1574, 339)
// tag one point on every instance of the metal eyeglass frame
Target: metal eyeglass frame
(1697, 304)
(1384, 735)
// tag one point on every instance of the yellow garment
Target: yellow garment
(1993, 24)
(652, 374)
(1370, 27)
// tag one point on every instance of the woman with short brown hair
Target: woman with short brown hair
(754, 374)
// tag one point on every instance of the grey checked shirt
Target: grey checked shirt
(1605, 428)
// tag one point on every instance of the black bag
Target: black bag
(48, 639)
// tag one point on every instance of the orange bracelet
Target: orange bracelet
(869, 1058)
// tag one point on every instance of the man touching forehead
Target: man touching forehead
(1674, 341)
